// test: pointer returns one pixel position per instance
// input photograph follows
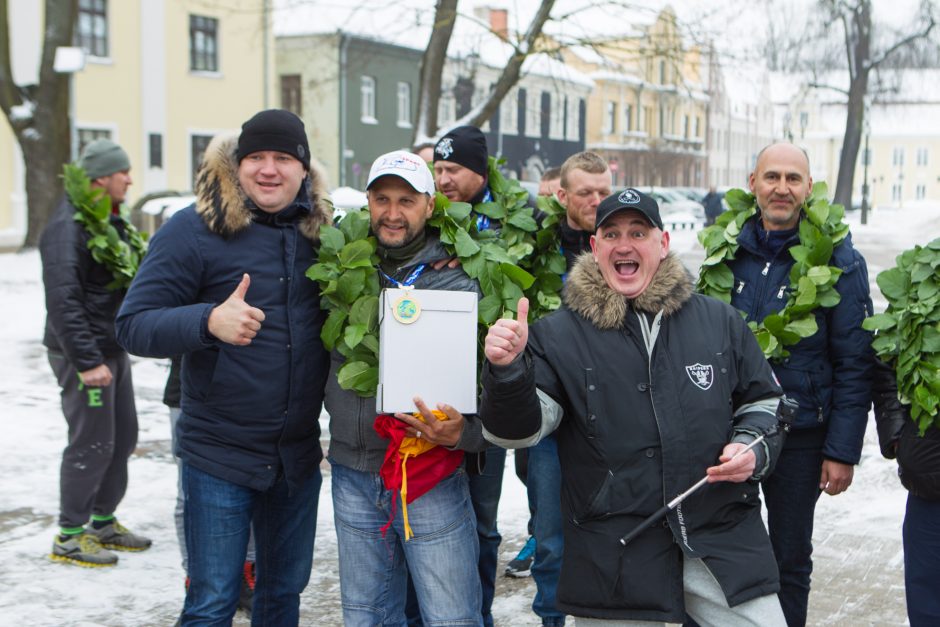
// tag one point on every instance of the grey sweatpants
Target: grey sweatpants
(102, 435)
(705, 602)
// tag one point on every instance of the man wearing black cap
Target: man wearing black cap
(223, 285)
(93, 371)
(460, 173)
(661, 387)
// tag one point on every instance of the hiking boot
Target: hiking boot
(115, 536)
(247, 591)
(82, 549)
(521, 565)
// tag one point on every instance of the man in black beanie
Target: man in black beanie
(223, 285)
(460, 165)
(460, 173)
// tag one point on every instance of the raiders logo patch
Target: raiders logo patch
(702, 375)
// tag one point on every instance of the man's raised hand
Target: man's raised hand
(235, 321)
(507, 337)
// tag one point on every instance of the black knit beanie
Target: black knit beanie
(466, 146)
(274, 129)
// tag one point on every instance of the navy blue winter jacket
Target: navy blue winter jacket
(249, 413)
(829, 373)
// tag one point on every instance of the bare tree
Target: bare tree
(39, 114)
(855, 17)
(432, 67)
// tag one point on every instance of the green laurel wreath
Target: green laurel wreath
(93, 211)
(520, 258)
(812, 279)
(908, 332)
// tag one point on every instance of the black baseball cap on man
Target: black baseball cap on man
(628, 199)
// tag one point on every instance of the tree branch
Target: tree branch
(901, 44)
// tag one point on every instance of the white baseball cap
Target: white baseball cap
(404, 165)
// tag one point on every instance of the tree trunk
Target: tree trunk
(432, 66)
(39, 114)
(858, 47)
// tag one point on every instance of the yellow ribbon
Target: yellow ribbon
(412, 447)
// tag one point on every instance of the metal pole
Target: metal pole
(865, 161)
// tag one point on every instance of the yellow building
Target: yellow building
(161, 77)
(647, 114)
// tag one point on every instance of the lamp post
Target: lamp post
(866, 159)
(69, 60)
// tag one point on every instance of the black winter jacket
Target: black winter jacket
(918, 455)
(249, 413)
(645, 395)
(80, 309)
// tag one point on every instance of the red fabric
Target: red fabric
(424, 470)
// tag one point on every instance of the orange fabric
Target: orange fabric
(412, 466)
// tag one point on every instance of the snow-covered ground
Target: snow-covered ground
(858, 563)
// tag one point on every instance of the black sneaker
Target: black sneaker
(247, 591)
(82, 549)
(521, 565)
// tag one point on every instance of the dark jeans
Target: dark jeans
(485, 490)
(544, 489)
(219, 515)
(922, 561)
(790, 495)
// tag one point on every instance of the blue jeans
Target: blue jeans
(441, 557)
(485, 490)
(790, 495)
(544, 488)
(922, 561)
(219, 515)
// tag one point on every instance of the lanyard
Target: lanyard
(483, 222)
(410, 279)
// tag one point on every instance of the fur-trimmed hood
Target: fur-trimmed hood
(587, 293)
(222, 203)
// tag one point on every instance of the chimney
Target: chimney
(499, 23)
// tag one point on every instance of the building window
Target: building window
(88, 135)
(203, 44)
(290, 94)
(866, 156)
(897, 157)
(556, 128)
(921, 156)
(647, 119)
(685, 126)
(156, 150)
(627, 118)
(367, 97)
(197, 149)
(91, 32)
(698, 122)
(610, 117)
(921, 191)
(509, 113)
(404, 105)
(662, 72)
(573, 121)
(896, 192)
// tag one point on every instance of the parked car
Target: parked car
(674, 207)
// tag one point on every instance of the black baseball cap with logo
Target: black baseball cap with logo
(628, 199)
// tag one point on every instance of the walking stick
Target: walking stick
(785, 413)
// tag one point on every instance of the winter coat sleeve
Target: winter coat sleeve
(852, 360)
(890, 414)
(755, 398)
(66, 262)
(161, 315)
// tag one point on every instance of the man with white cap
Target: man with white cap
(374, 558)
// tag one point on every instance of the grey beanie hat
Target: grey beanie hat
(103, 157)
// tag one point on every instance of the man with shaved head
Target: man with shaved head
(828, 374)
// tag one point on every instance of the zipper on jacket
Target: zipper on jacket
(766, 269)
(740, 286)
(783, 288)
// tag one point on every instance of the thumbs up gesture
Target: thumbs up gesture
(507, 337)
(235, 321)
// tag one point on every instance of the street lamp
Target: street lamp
(69, 60)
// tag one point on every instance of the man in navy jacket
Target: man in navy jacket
(828, 374)
(223, 285)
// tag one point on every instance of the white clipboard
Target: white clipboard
(427, 348)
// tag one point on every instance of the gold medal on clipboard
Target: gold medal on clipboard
(406, 309)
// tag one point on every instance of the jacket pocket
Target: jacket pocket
(919, 462)
(598, 505)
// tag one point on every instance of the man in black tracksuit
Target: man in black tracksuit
(93, 371)
(647, 387)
